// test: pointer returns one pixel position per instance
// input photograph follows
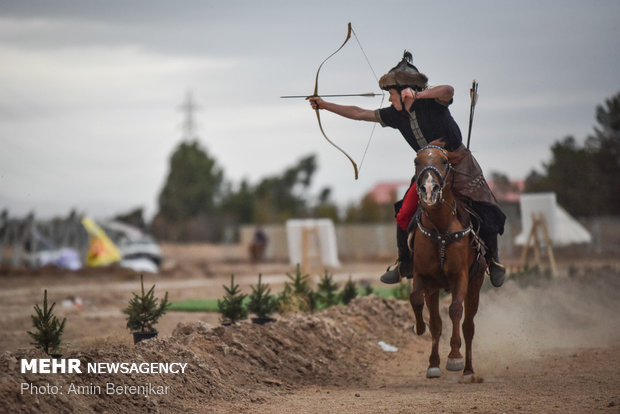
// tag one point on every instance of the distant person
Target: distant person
(421, 115)
(258, 245)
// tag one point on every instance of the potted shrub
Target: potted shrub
(49, 329)
(262, 303)
(231, 306)
(143, 313)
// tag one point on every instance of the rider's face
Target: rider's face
(395, 99)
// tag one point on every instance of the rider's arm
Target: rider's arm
(442, 93)
(348, 111)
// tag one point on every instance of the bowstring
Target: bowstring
(374, 126)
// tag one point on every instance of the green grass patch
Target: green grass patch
(210, 305)
(384, 292)
(194, 305)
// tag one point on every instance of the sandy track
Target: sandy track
(551, 346)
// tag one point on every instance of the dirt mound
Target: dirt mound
(541, 345)
(242, 362)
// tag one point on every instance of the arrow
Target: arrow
(367, 94)
(473, 92)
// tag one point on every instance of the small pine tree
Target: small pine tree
(368, 290)
(231, 306)
(349, 291)
(48, 329)
(312, 300)
(262, 303)
(286, 301)
(300, 283)
(143, 310)
(327, 290)
(297, 294)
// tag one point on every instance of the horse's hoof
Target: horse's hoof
(433, 372)
(455, 364)
(470, 378)
(418, 331)
(467, 379)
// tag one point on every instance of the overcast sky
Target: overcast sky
(91, 91)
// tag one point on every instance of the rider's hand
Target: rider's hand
(316, 102)
(408, 97)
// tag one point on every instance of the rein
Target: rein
(442, 239)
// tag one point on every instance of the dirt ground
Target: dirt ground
(548, 346)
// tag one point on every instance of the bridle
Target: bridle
(442, 239)
(442, 177)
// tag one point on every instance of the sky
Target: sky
(91, 92)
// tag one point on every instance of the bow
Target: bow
(316, 93)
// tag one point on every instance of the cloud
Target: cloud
(89, 110)
(77, 78)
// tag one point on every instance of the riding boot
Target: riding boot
(403, 267)
(497, 271)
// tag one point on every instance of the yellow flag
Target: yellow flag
(101, 251)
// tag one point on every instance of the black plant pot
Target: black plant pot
(139, 336)
(56, 356)
(262, 321)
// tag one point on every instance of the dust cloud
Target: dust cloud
(517, 322)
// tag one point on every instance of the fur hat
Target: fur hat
(403, 75)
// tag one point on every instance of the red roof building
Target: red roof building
(507, 192)
(388, 192)
(391, 191)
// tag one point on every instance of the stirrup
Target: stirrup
(497, 272)
(392, 276)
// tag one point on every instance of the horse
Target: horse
(446, 256)
(258, 246)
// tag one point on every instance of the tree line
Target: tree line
(585, 177)
(197, 202)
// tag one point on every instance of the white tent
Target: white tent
(563, 229)
(325, 244)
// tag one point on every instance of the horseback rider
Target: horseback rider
(422, 116)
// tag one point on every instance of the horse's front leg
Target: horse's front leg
(432, 303)
(417, 303)
(471, 308)
(459, 290)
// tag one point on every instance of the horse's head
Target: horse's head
(432, 167)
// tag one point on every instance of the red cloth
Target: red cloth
(408, 208)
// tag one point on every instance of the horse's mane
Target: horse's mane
(453, 157)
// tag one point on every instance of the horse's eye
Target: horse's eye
(444, 162)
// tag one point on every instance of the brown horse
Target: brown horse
(444, 257)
